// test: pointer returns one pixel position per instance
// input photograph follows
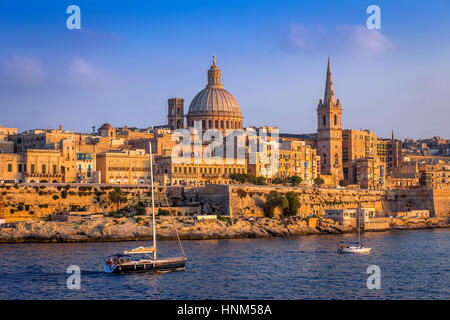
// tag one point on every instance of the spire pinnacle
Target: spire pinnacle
(329, 91)
(214, 60)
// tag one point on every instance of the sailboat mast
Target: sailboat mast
(153, 201)
(359, 225)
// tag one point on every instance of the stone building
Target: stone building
(356, 144)
(434, 175)
(11, 168)
(170, 171)
(329, 132)
(124, 167)
(369, 173)
(43, 166)
(298, 159)
(5, 132)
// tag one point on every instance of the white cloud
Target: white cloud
(363, 40)
(86, 75)
(22, 72)
(355, 39)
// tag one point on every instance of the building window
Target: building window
(217, 124)
(54, 169)
(44, 169)
(9, 167)
(19, 167)
(335, 120)
(324, 120)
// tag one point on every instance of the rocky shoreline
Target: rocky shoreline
(125, 229)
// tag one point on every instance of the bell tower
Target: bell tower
(329, 132)
(175, 116)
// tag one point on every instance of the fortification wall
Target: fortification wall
(249, 200)
(441, 201)
(435, 200)
(28, 202)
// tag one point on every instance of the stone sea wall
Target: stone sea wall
(28, 202)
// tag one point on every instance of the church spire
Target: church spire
(329, 91)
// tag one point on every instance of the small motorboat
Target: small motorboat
(352, 247)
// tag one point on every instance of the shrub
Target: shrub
(319, 181)
(55, 197)
(262, 181)
(140, 209)
(295, 180)
(27, 207)
(279, 181)
(163, 212)
(241, 193)
(12, 211)
(273, 200)
(64, 194)
(20, 207)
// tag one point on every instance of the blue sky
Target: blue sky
(131, 56)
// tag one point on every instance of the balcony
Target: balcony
(43, 175)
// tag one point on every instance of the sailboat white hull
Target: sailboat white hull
(354, 250)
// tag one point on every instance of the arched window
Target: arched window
(336, 158)
(217, 124)
(324, 120)
(335, 120)
(209, 124)
(203, 124)
(228, 125)
(221, 124)
(232, 124)
(324, 159)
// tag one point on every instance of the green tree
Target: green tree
(279, 181)
(117, 196)
(261, 181)
(274, 199)
(295, 180)
(293, 204)
(319, 181)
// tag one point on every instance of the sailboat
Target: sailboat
(126, 261)
(354, 247)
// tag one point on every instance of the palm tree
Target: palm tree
(117, 196)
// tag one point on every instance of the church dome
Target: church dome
(214, 99)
